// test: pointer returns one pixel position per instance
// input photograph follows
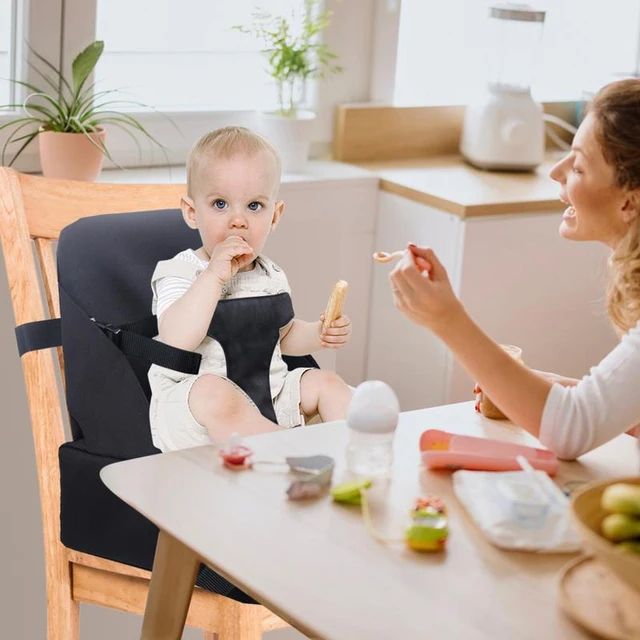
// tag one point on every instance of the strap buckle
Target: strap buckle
(110, 330)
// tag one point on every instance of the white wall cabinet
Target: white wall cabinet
(327, 234)
(402, 353)
(518, 279)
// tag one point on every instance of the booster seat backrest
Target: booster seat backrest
(105, 264)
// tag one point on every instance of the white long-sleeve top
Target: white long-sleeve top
(602, 405)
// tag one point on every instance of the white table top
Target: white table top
(314, 563)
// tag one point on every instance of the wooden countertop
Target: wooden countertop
(449, 184)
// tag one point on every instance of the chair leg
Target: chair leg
(238, 621)
(63, 612)
(174, 573)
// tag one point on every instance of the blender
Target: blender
(504, 128)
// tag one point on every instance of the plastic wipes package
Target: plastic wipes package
(518, 510)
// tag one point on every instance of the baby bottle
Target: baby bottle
(372, 419)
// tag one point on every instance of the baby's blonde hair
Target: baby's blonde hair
(616, 109)
(226, 142)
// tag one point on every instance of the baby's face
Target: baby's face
(236, 197)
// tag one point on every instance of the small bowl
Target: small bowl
(588, 515)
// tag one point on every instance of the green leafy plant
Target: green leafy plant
(70, 106)
(293, 55)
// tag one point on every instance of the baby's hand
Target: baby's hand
(228, 257)
(337, 335)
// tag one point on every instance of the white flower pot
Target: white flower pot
(291, 136)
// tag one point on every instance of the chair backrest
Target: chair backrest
(33, 211)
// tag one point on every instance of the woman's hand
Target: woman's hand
(337, 335)
(421, 289)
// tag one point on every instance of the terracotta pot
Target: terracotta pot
(70, 156)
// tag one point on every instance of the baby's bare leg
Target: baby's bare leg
(217, 405)
(326, 393)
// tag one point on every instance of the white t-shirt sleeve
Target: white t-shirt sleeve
(602, 405)
(167, 291)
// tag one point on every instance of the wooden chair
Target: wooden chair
(33, 211)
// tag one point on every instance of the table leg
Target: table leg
(175, 568)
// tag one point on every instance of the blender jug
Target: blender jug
(503, 128)
(516, 32)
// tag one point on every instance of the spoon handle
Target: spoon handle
(383, 256)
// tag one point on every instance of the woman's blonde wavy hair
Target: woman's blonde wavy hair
(616, 109)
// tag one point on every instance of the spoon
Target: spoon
(383, 256)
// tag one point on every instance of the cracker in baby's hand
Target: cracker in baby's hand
(336, 302)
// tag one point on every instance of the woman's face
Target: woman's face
(598, 209)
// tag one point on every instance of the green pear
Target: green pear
(618, 527)
(622, 498)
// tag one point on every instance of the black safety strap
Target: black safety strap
(133, 339)
(33, 336)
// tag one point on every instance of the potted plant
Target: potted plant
(294, 54)
(67, 117)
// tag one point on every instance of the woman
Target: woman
(600, 184)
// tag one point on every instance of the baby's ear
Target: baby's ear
(278, 210)
(188, 211)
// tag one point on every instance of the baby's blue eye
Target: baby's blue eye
(219, 204)
(255, 206)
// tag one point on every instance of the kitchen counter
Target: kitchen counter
(451, 185)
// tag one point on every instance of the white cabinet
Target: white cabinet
(401, 353)
(327, 234)
(518, 279)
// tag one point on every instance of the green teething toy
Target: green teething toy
(349, 492)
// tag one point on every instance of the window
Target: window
(180, 62)
(182, 58)
(444, 49)
(6, 49)
(38, 23)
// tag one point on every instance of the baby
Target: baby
(244, 385)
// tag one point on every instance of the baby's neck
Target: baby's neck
(202, 254)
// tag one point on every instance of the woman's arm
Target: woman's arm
(572, 382)
(569, 419)
(555, 378)
(422, 291)
(601, 406)
(518, 391)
